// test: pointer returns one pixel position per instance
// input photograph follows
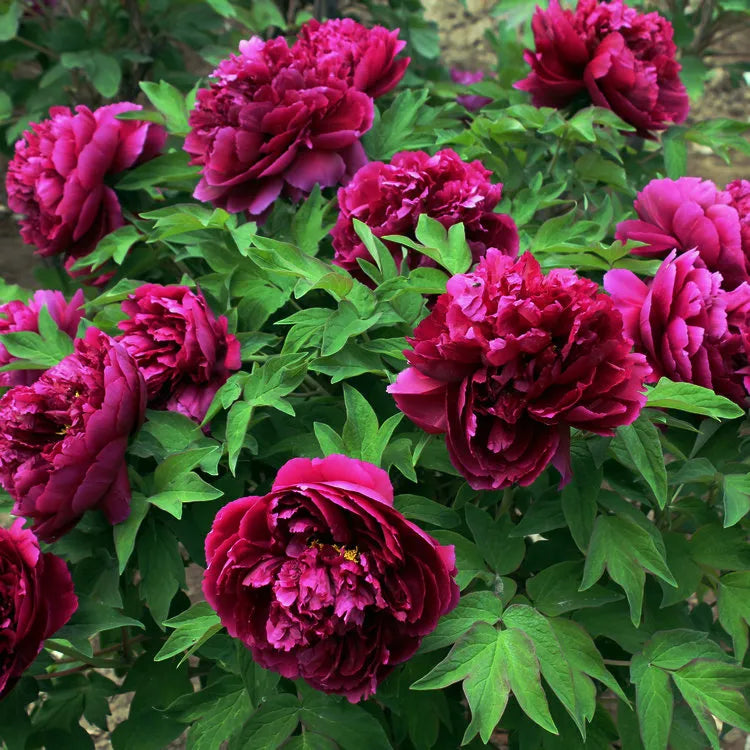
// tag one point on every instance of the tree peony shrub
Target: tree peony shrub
(608, 54)
(509, 360)
(36, 600)
(58, 177)
(63, 438)
(389, 198)
(310, 497)
(324, 579)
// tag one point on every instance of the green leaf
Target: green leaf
(693, 399)
(734, 609)
(192, 628)
(310, 741)
(502, 551)
(38, 350)
(328, 439)
(626, 550)
(238, 421)
(350, 726)
(361, 425)
(736, 498)
(579, 498)
(103, 70)
(271, 724)
(479, 606)
(675, 153)
(164, 169)
(417, 508)
(641, 441)
(113, 246)
(309, 225)
(9, 18)
(655, 705)
(554, 590)
(171, 103)
(215, 715)
(453, 252)
(387, 134)
(723, 548)
(377, 249)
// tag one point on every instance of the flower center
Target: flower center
(348, 554)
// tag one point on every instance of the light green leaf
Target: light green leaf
(654, 705)
(693, 399)
(641, 441)
(238, 420)
(626, 550)
(126, 532)
(736, 498)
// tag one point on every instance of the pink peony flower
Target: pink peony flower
(689, 328)
(389, 198)
(58, 177)
(472, 102)
(36, 600)
(272, 122)
(63, 438)
(322, 578)
(509, 360)
(184, 352)
(17, 316)
(610, 55)
(685, 214)
(364, 58)
(739, 190)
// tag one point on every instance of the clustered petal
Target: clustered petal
(63, 438)
(36, 600)
(279, 120)
(19, 316)
(690, 328)
(390, 197)
(610, 55)
(183, 350)
(322, 578)
(57, 178)
(693, 213)
(509, 360)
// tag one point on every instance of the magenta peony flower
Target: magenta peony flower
(184, 352)
(610, 55)
(63, 438)
(364, 58)
(17, 316)
(509, 360)
(689, 328)
(472, 102)
(739, 190)
(58, 178)
(322, 578)
(389, 198)
(272, 122)
(36, 600)
(685, 214)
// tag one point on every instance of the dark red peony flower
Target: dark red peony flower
(610, 55)
(739, 190)
(36, 600)
(183, 350)
(389, 198)
(322, 578)
(58, 178)
(472, 102)
(364, 58)
(19, 316)
(63, 438)
(689, 328)
(685, 214)
(509, 360)
(272, 122)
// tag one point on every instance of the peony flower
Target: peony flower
(509, 360)
(364, 58)
(389, 198)
(681, 322)
(739, 191)
(36, 600)
(17, 316)
(63, 438)
(472, 102)
(685, 214)
(322, 578)
(59, 176)
(610, 55)
(184, 352)
(272, 122)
